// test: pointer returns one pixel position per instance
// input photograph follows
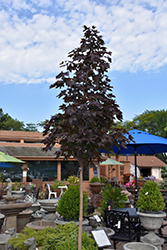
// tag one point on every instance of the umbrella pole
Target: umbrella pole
(136, 191)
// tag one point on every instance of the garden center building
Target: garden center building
(39, 164)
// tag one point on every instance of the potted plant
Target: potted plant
(68, 205)
(141, 180)
(72, 179)
(96, 185)
(130, 186)
(112, 196)
(151, 205)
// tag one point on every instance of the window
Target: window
(45, 170)
(72, 168)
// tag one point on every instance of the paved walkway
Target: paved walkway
(120, 244)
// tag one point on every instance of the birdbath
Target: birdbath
(11, 207)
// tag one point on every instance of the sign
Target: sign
(101, 238)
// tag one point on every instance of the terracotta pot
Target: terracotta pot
(96, 187)
(142, 182)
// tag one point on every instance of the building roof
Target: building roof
(144, 161)
(7, 135)
(22, 152)
(28, 145)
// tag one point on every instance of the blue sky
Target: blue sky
(35, 36)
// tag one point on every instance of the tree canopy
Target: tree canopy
(152, 121)
(8, 123)
(89, 110)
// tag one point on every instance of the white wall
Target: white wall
(156, 172)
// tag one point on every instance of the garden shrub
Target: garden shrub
(94, 179)
(72, 179)
(66, 238)
(150, 198)
(68, 205)
(59, 238)
(40, 236)
(115, 194)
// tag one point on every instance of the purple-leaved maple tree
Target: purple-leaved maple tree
(86, 124)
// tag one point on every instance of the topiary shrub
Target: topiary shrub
(68, 205)
(115, 195)
(94, 179)
(150, 198)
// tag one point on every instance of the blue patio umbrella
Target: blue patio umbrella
(6, 165)
(145, 143)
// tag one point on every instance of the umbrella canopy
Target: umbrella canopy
(111, 162)
(6, 165)
(145, 143)
(7, 158)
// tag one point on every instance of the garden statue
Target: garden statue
(11, 232)
(9, 187)
(31, 242)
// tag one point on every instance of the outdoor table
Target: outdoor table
(62, 189)
(132, 212)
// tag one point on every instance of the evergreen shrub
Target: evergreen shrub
(150, 198)
(94, 179)
(68, 205)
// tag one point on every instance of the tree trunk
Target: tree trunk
(81, 207)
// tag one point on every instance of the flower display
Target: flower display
(131, 184)
(150, 178)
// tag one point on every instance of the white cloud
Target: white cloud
(33, 43)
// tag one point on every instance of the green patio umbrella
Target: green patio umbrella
(7, 158)
(110, 161)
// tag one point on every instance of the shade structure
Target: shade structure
(144, 143)
(110, 161)
(7, 158)
(6, 165)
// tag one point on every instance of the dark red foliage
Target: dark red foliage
(87, 119)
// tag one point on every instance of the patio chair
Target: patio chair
(121, 223)
(51, 192)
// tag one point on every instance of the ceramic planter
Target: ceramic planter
(152, 222)
(139, 246)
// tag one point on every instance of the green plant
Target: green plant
(72, 179)
(163, 184)
(164, 172)
(19, 185)
(115, 195)
(66, 237)
(14, 187)
(94, 179)
(150, 198)
(103, 179)
(57, 183)
(68, 205)
(59, 238)
(40, 236)
(42, 194)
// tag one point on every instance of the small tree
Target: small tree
(86, 125)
